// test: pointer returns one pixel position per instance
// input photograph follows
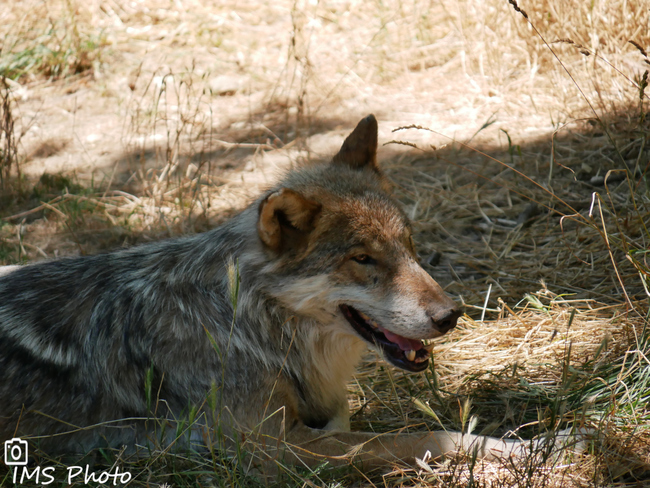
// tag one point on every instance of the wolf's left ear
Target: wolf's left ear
(360, 148)
(285, 218)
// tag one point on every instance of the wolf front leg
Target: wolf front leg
(310, 446)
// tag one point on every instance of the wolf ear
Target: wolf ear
(285, 217)
(360, 148)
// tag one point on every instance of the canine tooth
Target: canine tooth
(410, 355)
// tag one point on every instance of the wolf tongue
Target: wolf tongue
(403, 343)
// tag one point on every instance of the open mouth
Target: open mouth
(409, 354)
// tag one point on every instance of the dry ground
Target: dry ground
(522, 161)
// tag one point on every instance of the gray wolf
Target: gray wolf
(249, 331)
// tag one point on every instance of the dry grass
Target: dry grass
(9, 138)
(511, 227)
(529, 171)
(543, 364)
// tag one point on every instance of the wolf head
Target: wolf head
(342, 253)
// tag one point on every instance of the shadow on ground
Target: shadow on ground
(554, 211)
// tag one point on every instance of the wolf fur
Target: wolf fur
(256, 327)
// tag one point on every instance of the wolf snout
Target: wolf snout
(446, 320)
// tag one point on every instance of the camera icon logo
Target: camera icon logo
(16, 452)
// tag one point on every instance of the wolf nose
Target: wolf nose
(447, 320)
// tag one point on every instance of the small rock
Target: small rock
(528, 213)
(597, 180)
(434, 258)
(225, 85)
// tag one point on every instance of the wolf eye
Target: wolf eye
(364, 259)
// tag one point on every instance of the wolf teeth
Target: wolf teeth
(363, 315)
(428, 347)
(368, 320)
(410, 355)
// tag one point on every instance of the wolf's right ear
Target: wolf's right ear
(285, 219)
(360, 148)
